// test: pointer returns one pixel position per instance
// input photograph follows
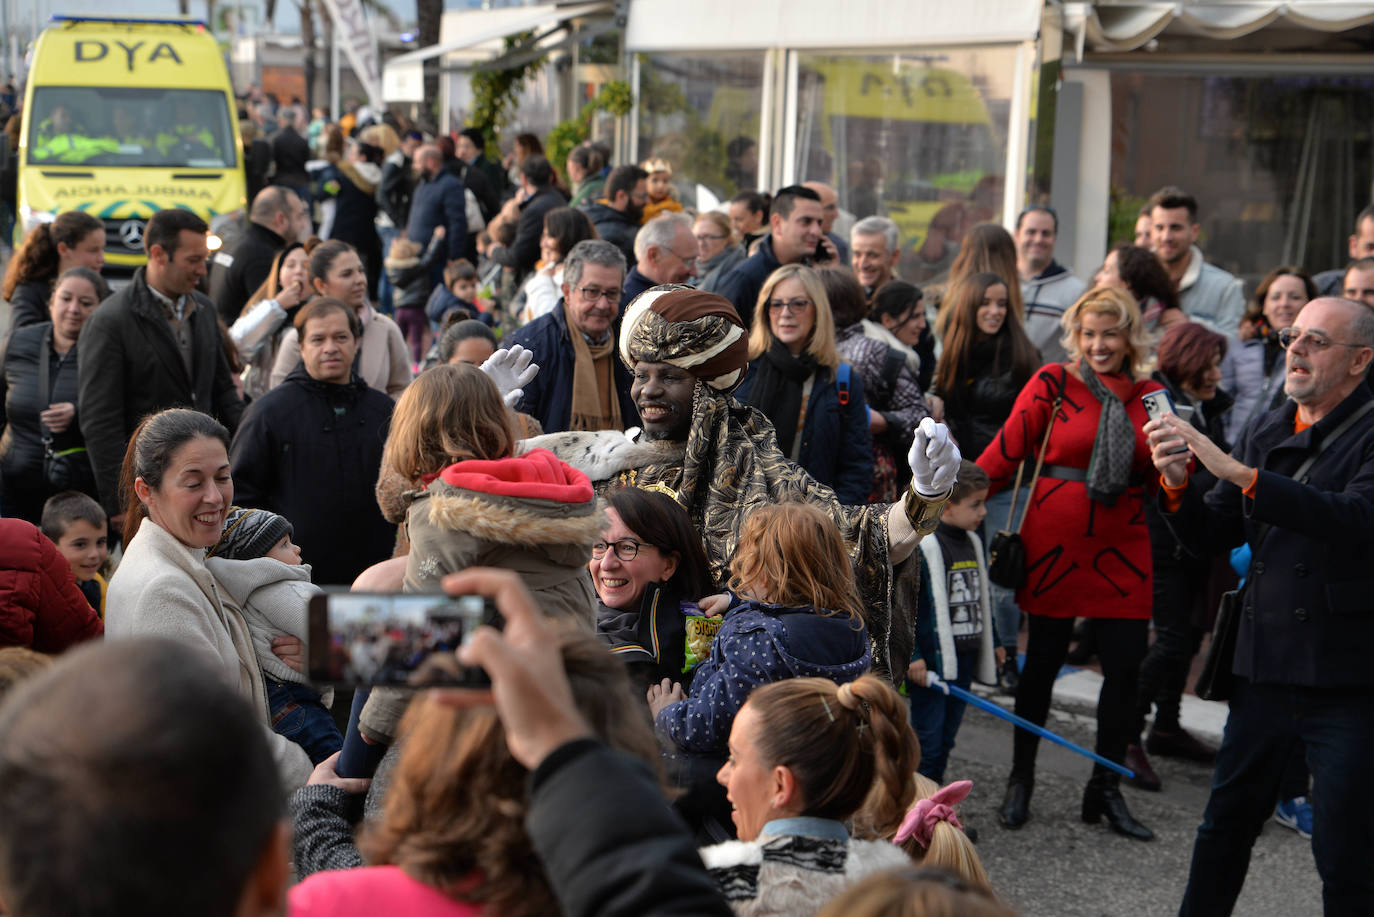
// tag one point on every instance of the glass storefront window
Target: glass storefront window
(701, 113)
(919, 137)
(1280, 165)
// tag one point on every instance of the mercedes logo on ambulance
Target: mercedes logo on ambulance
(131, 234)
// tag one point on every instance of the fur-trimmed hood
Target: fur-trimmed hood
(530, 499)
(602, 453)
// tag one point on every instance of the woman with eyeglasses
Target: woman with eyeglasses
(718, 250)
(796, 378)
(649, 572)
(1253, 371)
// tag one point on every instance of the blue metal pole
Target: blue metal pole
(936, 683)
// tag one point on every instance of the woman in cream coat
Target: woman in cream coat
(176, 472)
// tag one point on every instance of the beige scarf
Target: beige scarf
(594, 406)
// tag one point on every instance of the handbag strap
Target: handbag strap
(1015, 491)
(1307, 463)
(1039, 460)
(44, 346)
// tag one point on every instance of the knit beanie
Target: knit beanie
(249, 533)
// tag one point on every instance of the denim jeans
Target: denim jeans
(1006, 615)
(298, 714)
(385, 290)
(936, 717)
(1336, 726)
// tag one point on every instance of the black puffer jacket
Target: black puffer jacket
(311, 451)
(615, 227)
(21, 447)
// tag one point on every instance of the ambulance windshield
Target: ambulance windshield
(111, 126)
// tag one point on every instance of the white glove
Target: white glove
(511, 369)
(934, 459)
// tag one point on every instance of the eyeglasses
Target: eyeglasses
(707, 237)
(688, 260)
(592, 294)
(1316, 342)
(627, 549)
(793, 306)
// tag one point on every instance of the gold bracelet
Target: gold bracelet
(924, 512)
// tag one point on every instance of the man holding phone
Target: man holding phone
(1299, 488)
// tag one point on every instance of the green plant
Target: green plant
(494, 91)
(1123, 209)
(615, 98)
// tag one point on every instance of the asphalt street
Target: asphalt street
(1057, 865)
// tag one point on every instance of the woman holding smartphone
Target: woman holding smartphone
(1087, 545)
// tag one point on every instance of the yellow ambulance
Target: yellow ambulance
(126, 117)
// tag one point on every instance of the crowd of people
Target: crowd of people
(744, 499)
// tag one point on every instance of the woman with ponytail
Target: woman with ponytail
(74, 239)
(931, 833)
(815, 770)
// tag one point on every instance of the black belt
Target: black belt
(1070, 473)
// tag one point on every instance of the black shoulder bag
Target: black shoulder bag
(1217, 679)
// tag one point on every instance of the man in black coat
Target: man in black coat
(438, 200)
(470, 147)
(276, 218)
(616, 216)
(1306, 622)
(153, 345)
(310, 450)
(290, 153)
(540, 196)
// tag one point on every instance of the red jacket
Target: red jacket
(40, 606)
(1083, 559)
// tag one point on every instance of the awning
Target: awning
(403, 76)
(736, 25)
(1109, 26)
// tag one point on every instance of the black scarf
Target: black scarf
(777, 390)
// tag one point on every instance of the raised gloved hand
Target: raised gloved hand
(934, 459)
(512, 369)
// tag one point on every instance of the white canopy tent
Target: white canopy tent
(1108, 25)
(479, 36)
(727, 25)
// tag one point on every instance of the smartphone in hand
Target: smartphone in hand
(396, 639)
(1159, 403)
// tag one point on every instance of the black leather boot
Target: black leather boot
(1103, 797)
(1015, 810)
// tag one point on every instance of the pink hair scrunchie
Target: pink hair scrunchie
(920, 822)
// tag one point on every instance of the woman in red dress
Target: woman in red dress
(1087, 545)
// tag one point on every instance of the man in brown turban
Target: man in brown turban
(687, 350)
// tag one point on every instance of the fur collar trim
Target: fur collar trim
(604, 453)
(512, 521)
